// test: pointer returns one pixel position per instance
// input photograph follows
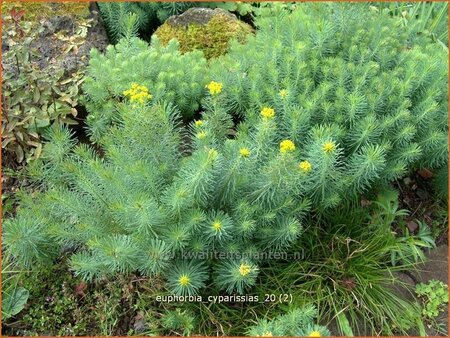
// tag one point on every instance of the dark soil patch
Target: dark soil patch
(417, 195)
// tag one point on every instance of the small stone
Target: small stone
(412, 226)
(365, 202)
(426, 173)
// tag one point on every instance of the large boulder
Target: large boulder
(209, 30)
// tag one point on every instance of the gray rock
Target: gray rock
(50, 48)
(199, 16)
(403, 286)
(435, 267)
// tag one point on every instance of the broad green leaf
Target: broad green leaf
(14, 301)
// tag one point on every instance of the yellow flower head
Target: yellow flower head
(245, 269)
(314, 334)
(244, 152)
(212, 154)
(217, 225)
(283, 93)
(305, 166)
(329, 147)
(198, 123)
(138, 93)
(214, 87)
(287, 146)
(184, 280)
(201, 135)
(267, 113)
(267, 334)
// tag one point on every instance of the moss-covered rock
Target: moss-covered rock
(204, 29)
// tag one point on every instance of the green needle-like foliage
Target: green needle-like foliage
(298, 322)
(335, 101)
(169, 76)
(346, 74)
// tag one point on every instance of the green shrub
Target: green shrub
(427, 19)
(349, 76)
(177, 321)
(142, 204)
(116, 16)
(169, 76)
(296, 323)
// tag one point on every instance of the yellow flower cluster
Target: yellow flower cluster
(245, 269)
(244, 152)
(198, 123)
(329, 147)
(138, 93)
(201, 135)
(287, 146)
(184, 280)
(315, 334)
(267, 113)
(212, 154)
(214, 87)
(305, 166)
(217, 225)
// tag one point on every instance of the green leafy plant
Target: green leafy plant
(165, 205)
(297, 322)
(413, 245)
(434, 296)
(427, 19)
(117, 15)
(168, 75)
(178, 321)
(14, 302)
(380, 105)
(32, 98)
(410, 247)
(14, 296)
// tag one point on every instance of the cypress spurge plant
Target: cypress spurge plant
(347, 81)
(169, 75)
(298, 322)
(334, 104)
(143, 206)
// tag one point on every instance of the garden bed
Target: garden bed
(285, 177)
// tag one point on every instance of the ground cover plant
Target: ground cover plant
(197, 172)
(35, 96)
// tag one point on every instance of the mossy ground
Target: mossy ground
(61, 304)
(212, 38)
(40, 10)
